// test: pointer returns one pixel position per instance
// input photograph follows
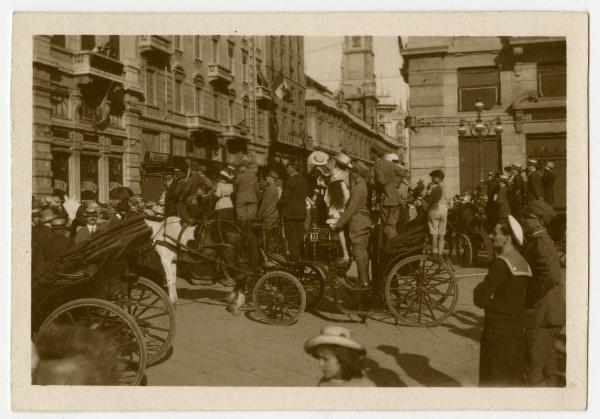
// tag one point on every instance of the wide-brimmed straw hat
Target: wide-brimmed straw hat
(343, 160)
(59, 223)
(317, 158)
(47, 215)
(334, 335)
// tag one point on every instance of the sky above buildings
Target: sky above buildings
(323, 60)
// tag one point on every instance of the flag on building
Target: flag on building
(280, 86)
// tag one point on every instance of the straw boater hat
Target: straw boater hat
(532, 162)
(343, 160)
(515, 166)
(317, 158)
(334, 335)
(59, 223)
(503, 177)
(550, 165)
(226, 174)
(516, 229)
(273, 174)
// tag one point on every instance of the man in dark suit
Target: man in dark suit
(548, 183)
(171, 198)
(534, 182)
(292, 208)
(91, 227)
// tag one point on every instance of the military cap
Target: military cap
(541, 210)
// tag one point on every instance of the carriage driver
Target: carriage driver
(357, 216)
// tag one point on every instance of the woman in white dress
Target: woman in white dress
(337, 195)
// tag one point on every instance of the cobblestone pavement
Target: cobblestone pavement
(214, 348)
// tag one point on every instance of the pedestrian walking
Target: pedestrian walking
(545, 313)
(437, 213)
(356, 216)
(292, 208)
(340, 358)
(502, 296)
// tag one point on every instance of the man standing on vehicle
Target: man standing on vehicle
(357, 216)
(388, 177)
(267, 210)
(292, 208)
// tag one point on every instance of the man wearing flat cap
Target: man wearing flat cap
(356, 216)
(292, 208)
(502, 295)
(545, 313)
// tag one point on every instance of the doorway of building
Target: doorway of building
(477, 158)
(552, 148)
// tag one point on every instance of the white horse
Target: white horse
(166, 235)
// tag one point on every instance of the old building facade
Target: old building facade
(332, 127)
(520, 80)
(390, 121)
(358, 77)
(116, 110)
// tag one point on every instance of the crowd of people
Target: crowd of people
(522, 294)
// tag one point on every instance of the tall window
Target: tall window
(150, 87)
(230, 60)
(151, 141)
(179, 146)
(197, 47)
(88, 42)
(177, 41)
(215, 106)
(478, 83)
(215, 51)
(60, 106)
(356, 41)
(552, 80)
(198, 100)
(245, 110)
(230, 111)
(58, 40)
(178, 95)
(244, 68)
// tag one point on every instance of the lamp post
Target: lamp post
(480, 128)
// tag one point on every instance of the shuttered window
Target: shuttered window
(478, 83)
(552, 80)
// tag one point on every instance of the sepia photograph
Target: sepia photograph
(295, 210)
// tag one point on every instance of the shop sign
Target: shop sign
(60, 184)
(113, 185)
(157, 157)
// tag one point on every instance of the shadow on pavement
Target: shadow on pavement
(194, 294)
(473, 322)
(382, 377)
(417, 367)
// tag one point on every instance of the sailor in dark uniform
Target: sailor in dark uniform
(502, 296)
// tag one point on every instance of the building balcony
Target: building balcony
(156, 44)
(219, 75)
(89, 63)
(239, 131)
(263, 94)
(201, 123)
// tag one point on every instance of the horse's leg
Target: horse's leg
(167, 259)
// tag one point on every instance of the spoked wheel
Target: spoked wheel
(153, 311)
(462, 250)
(103, 315)
(420, 291)
(312, 281)
(279, 297)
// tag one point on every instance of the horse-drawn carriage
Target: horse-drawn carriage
(97, 285)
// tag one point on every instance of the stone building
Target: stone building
(332, 128)
(521, 81)
(116, 110)
(358, 77)
(390, 121)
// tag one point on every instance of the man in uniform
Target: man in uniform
(388, 177)
(548, 183)
(292, 208)
(545, 313)
(357, 216)
(534, 182)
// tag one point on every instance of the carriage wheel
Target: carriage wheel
(462, 250)
(313, 283)
(153, 311)
(420, 291)
(103, 315)
(279, 297)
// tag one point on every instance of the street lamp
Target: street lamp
(480, 128)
